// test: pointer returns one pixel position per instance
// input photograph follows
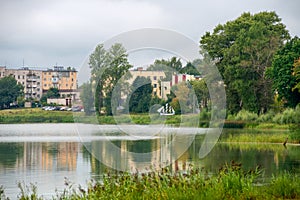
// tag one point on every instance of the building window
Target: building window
(154, 93)
(154, 78)
(18, 76)
(38, 89)
(49, 73)
(161, 77)
(38, 77)
(66, 85)
(45, 85)
(72, 79)
(45, 79)
(38, 83)
(23, 77)
(154, 85)
(166, 88)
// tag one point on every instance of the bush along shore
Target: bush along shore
(231, 182)
(244, 119)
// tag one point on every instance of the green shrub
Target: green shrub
(245, 115)
(288, 116)
(267, 117)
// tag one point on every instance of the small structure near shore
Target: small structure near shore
(166, 110)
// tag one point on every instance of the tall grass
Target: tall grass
(288, 116)
(231, 182)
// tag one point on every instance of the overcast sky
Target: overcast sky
(65, 32)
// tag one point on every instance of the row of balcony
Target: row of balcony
(30, 92)
(31, 86)
(31, 79)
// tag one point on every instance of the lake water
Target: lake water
(47, 154)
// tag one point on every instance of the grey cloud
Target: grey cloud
(67, 31)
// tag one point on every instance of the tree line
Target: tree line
(256, 56)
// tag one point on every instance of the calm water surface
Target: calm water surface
(46, 154)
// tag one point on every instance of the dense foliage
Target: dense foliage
(10, 90)
(243, 49)
(109, 69)
(87, 98)
(141, 95)
(285, 72)
(51, 93)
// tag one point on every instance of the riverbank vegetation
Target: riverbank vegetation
(231, 182)
(287, 119)
(34, 115)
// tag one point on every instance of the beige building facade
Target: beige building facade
(155, 76)
(30, 79)
(38, 82)
(161, 88)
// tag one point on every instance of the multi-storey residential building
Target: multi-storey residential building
(30, 79)
(58, 77)
(65, 80)
(161, 87)
(154, 76)
(38, 82)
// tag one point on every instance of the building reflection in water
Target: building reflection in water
(152, 154)
(49, 156)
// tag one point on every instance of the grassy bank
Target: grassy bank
(34, 115)
(231, 182)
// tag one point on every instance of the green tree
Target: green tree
(98, 62)
(296, 74)
(189, 68)
(10, 90)
(87, 98)
(282, 72)
(168, 66)
(141, 96)
(51, 93)
(181, 98)
(201, 91)
(108, 68)
(242, 50)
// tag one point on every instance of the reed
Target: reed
(231, 182)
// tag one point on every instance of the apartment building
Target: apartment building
(61, 78)
(30, 79)
(155, 76)
(38, 82)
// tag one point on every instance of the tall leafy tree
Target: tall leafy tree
(168, 66)
(242, 50)
(87, 98)
(282, 72)
(189, 68)
(9, 91)
(201, 91)
(108, 68)
(141, 96)
(98, 62)
(296, 74)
